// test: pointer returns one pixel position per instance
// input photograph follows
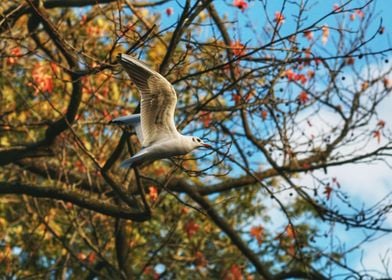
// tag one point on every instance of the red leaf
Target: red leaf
(350, 60)
(42, 79)
(237, 48)
(290, 75)
(153, 193)
(240, 4)
(327, 191)
(337, 8)
(360, 13)
(264, 115)
(14, 54)
(191, 228)
(303, 97)
(236, 98)
(386, 82)
(377, 135)
(200, 259)
(234, 273)
(150, 271)
(206, 118)
(310, 74)
(308, 35)
(169, 11)
(381, 123)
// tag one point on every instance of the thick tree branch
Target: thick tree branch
(74, 197)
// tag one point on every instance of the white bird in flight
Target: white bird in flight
(155, 125)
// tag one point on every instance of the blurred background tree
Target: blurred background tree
(284, 91)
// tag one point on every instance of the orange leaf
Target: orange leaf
(279, 18)
(325, 34)
(237, 48)
(290, 231)
(258, 233)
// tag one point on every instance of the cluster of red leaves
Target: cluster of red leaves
(279, 18)
(153, 193)
(237, 48)
(93, 30)
(80, 167)
(191, 228)
(358, 13)
(200, 259)
(150, 271)
(377, 132)
(291, 234)
(257, 232)
(42, 78)
(234, 273)
(240, 4)
(15, 53)
(292, 76)
(106, 115)
(90, 258)
(303, 97)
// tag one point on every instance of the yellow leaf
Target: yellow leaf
(4, 142)
(115, 92)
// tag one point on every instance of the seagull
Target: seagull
(154, 126)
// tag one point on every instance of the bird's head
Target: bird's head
(197, 142)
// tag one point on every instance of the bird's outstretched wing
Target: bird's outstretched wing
(158, 100)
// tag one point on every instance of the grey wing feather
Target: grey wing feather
(133, 121)
(158, 100)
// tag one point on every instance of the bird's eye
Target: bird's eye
(198, 140)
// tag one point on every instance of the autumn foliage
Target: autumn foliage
(284, 95)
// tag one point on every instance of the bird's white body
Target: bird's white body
(155, 125)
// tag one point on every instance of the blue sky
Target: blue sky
(365, 184)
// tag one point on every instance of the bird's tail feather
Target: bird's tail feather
(135, 160)
(128, 163)
(132, 121)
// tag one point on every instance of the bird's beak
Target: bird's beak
(207, 145)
